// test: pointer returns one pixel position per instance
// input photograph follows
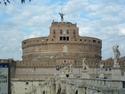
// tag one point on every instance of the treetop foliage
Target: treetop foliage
(6, 2)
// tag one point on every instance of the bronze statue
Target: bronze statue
(62, 16)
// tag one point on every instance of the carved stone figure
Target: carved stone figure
(70, 68)
(83, 63)
(84, 66)
(59, 89)
(116, 53)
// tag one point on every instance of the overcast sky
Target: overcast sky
(104, 19)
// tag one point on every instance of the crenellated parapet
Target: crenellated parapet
(34, 42)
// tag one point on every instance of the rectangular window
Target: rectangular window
(67, 38)
(94, 41)
(67, 31)
(64, 38)
(61, 31)
(60, 38)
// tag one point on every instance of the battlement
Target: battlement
(63, 23)
(34, 42)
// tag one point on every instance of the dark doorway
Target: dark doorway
(43, 92)
(76, 92)
(123, 84)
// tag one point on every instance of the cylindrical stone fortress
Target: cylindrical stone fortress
(63, 46)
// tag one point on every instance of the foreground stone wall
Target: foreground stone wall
(68, 86)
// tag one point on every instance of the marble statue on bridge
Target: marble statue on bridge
(116, 55)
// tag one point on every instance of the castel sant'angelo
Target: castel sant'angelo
(63, 46)
(66, 63)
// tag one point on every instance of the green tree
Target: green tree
(6, 2)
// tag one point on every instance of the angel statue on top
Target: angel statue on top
(62, 16)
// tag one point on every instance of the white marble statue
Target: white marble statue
(116, 53)
(85, 69)
(84, 66)
(101, 66)
(70, 68)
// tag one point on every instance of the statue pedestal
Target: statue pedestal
(116, 74)
(116, 65)
(85, 74)
(101, 76)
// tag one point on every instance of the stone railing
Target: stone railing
(96, 85)
(71, 86)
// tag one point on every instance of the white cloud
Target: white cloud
(33, 35)
(122, 31)
(10, 44)
(74, 5)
